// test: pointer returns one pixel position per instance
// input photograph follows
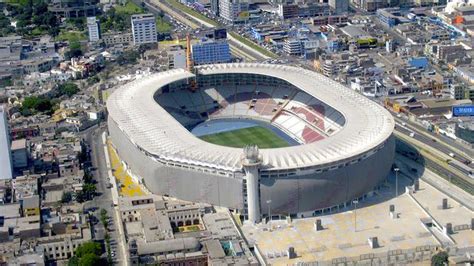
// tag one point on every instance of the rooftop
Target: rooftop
(136, 113)
(18, 144)
(342, 238)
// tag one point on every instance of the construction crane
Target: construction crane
(190, 63)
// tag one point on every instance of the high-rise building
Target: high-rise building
(94, 29)
(144, 29)
(215, 7)
(5, 153)
(339, 6)
(234, 11)
(211, 51)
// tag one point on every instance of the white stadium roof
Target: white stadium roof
(151, 127)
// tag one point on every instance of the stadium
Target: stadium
(255, 138)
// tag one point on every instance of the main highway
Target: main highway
(447, 147)
(435, 154)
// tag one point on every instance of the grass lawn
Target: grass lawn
(263, 137)
(129, 8)
(162, 25)
(253, 45)
(71, 36)
(17, 2)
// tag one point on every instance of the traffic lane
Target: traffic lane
(98, 162)
(442, 148)
(429, 142)
(447, 140)
(103, 201)
(433, 142)
(446, 171)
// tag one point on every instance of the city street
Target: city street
(93, 138)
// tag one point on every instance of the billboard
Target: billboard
(463, 110)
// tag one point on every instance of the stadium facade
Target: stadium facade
(346, 146)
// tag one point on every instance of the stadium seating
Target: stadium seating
(295, 112)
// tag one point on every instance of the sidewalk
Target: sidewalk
(438, 182)
(125, 184)
(115, 197)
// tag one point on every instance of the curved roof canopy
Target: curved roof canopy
(150, 127)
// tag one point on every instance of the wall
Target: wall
(177, 182)
(289, 195)
(296, 194)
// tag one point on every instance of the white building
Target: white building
(177, 58)
(94, 29)
(292, 47)
(234, 10)
(144, 29)
(5, 154)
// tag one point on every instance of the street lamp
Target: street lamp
(355, 214)
(396, 180)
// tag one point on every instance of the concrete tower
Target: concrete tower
(5, 152)
(251, 163)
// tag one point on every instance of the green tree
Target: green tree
(73, 261)
(88, 248)
(104, 217)
(108, 248)
(68, 89)
(128, 57)
(89, 191)
(34, 18)
(88, 177)
(80, 196)
(75, 50)
(44, 105)
(93, 80)
(66, 197)
(440, 259)
(87, 254)
(33, 104)
(78, 23)
(90, 260)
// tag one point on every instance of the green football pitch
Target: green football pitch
(263, 137)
